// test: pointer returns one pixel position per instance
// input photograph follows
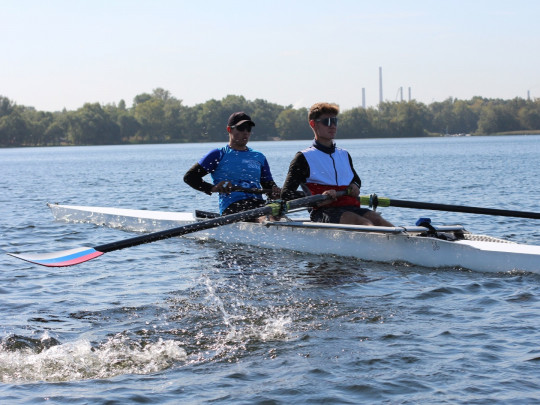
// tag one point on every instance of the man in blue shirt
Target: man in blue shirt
(234, 167)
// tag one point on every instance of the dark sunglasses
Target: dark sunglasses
(327, 122)
(244, 127)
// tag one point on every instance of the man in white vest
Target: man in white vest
(324, 168)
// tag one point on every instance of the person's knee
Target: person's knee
(377, 219)
(354, 219)
(372, 216)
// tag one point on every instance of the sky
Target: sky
(58, 54)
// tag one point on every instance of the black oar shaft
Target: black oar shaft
(462, 208)
(252, 190)
(387, 202)
(184, 229)
(207, 224)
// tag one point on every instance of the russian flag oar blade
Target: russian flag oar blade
(60, 259)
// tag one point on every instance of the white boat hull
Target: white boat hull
(381, 244)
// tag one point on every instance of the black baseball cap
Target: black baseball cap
(238, 118)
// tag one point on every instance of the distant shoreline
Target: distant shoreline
(527, 132)
(431, 135)
(530, 132)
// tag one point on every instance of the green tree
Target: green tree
(90, 125)
(355, 123)
(150, 115)
(159, 116)
(37, 123)
(55, 134)
(466, 120)
(293, 124)
(173, 125)
(211, 121)
(529, 115)
(129, 127)
(6, 106)
(443, 118)
(265, 115)
(496, 117)
(191, 127)
(410, 119)
(13, 129)
(141, 98)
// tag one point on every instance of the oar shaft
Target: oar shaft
(207, 224)
(252, 190)
(466, 209)
(387, 202)
(184, 229)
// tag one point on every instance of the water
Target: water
(183, 321)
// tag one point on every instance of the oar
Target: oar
(83, 254)
(374, 201)
(251, 190)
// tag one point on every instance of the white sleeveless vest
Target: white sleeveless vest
(330, 170)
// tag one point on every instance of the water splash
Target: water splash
(21, 362)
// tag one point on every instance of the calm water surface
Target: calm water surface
(184, 321)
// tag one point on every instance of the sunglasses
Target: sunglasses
(244, 127)
(327, 122)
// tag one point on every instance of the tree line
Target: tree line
(158, 117)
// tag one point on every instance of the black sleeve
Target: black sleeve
(356, 178)
(268, 184)
(194, 178)
(297, 175)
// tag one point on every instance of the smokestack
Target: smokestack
(364, 98)
(401, 93)
(380, 85)
(409, 94)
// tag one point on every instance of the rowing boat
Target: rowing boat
(449, 246)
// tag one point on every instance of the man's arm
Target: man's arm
(298, 173)
(194, 178)
(356, 178)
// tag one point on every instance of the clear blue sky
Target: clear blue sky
(59, 54)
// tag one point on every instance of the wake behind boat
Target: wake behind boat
(448, 246)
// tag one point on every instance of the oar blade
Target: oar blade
(60, 259)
